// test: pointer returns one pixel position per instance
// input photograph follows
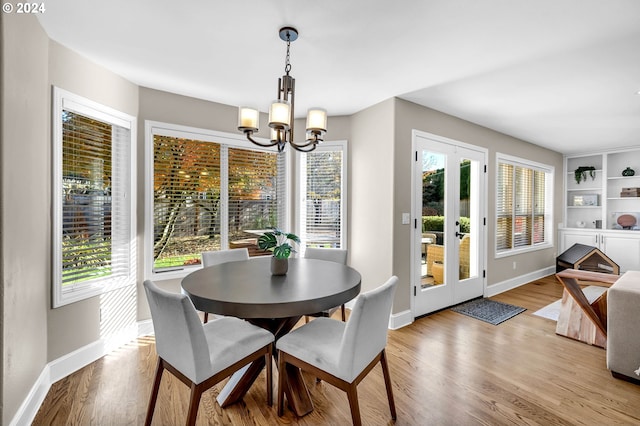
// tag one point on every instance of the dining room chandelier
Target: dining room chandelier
(281, 112)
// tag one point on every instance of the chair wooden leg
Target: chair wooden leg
(352, 394)
(154, 392)
(344, 316)
(387, 383)
(282, 382)
(268, 358)
(194, 403)
(206, 317)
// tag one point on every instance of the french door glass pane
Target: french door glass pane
(433, 210)
(465, 219)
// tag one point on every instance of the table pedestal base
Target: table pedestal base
(296, 391)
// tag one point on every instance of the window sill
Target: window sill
(522, 250)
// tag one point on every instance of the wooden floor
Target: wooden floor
(447, 369)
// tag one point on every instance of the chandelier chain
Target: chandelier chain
(287, 64)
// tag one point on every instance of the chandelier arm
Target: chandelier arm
(266, 145)
(303, 148)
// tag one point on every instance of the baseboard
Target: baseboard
(401, 319)
(512, 283)
(30, 406)
(69, 363)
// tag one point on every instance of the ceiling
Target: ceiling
(563, 74)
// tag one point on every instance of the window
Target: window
(93, 156)
(524, 205)
(207, 191)
(323, 194)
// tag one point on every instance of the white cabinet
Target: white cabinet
(569, 238)
(623, 247)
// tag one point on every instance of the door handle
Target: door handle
(458, 233)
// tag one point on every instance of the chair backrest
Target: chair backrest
(365, 334)
(180, 338)
(329, 254)
(210, 258)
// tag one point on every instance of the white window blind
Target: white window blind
(323, 196)
(93, 223)
(254, 193)
(210, 192)
(523, 205)
(186, 197)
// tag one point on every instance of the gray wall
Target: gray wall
(24, 207)
(371, 179)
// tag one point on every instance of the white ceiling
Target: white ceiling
(563, 74)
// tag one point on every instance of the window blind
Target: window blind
(539, 185)
(186, 196)
(87, 200)
(253, 192)
(504, 207)
(323, 198)
(522, 206)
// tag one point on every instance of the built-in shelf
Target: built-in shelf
(607, 184)
(623, 177)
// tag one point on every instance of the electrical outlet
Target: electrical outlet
(406, 218)
(514, 266)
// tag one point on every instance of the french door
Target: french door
(449, 203)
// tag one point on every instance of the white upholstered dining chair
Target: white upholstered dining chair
(201, 355)
(331, 255)
(210, 258)
(342, 354)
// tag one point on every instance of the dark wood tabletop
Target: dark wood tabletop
(246, 289)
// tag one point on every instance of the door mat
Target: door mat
(488, 310)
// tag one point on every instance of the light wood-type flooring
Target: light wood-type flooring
(446, 368)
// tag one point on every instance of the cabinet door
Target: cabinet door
(625, 251)
(570, 238)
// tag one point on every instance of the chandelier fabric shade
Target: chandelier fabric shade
(281, 112)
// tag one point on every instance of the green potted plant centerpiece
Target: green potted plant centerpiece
(277, 241)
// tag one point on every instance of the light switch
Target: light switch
(406, 218)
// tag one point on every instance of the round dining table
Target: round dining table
(246, 289)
